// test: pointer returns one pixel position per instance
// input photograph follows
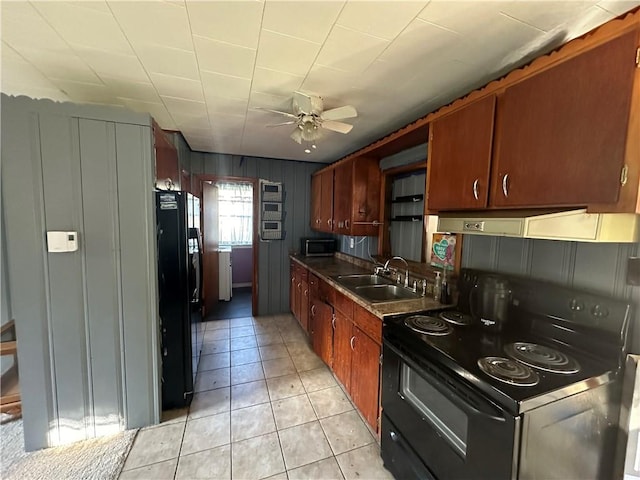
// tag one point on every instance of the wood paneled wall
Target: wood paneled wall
(273, 256)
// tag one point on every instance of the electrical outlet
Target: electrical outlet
(352, 242)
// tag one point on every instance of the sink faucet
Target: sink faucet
(406, 277)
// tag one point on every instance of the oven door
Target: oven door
(437, 419)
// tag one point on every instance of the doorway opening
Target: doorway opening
(230, 248)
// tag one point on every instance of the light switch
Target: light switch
(58, 242)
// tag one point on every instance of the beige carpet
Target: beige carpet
(99, 459)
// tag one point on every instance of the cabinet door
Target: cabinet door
(342, 194)
(326, 205)
(316, 201)
(365, 199)
(365, 378)
(322, 337)
(304, 306)
(167, 167)
(560, 134)
(292, 289)
(458, 169)
(342, 333)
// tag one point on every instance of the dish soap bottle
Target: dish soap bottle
(437, 288)
(444, 289)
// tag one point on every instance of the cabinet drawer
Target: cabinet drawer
(303, 273)
(344, 304)
(368, 323)
(326, 292)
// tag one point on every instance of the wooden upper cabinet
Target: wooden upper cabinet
(365, 197)
(167, 165)
(316, 201)
(561, 134)
(342, 197)
(460, 157)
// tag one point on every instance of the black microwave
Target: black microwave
(317, 247)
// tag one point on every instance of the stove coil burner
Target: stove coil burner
(544, 358)
(427, 325)
(457, 318)
(508, 371)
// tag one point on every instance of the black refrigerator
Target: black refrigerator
(179, 291)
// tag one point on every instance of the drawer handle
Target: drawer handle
(329, 222)
(351, 342)
(346, 223)
(333, 321)
(505, 188)
(475, 189)
(313, 310)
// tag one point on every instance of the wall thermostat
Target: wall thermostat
(62, 242)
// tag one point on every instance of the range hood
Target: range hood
(573, 225)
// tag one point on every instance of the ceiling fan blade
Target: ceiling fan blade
(336, 126)
(292, 122)
(296, 135)
(339, 113)
(286, 114)
(307, 104)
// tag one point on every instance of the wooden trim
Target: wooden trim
(7, 326)
(204, 177)
(8, 348)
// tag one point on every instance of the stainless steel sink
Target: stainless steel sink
(354, 281)
(385, 293)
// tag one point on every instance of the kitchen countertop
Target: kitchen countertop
(341, 264)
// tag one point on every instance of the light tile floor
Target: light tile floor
(265, 407)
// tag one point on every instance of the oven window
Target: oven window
(443, 415)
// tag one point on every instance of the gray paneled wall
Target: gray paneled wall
(273, 256)
(598, 267)
(86, 321)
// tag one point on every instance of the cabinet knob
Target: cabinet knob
(313, 310)
(346, 223)
(329, 222)
(351, 342)
(475, 189)
(505, 186)
(333, 321)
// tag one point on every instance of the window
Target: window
(235, 209)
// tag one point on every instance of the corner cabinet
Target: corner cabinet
(346, 198)
(168, 174)
(558, 137)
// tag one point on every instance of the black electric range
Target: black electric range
(453, 390)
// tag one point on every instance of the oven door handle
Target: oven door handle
(489, 410)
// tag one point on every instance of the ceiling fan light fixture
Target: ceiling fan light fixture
(309, 131)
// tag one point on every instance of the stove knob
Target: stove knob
(575, 305)
(599, 311)
(394, 436)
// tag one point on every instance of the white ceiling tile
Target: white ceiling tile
(381, 19)
(85, 27)
(465, 16)
(221, 122)
(275, 83)
(228, 21)
(225, 85)
(19, 77)
(140, 91)
(363, 50)
(286, 54)
(229, 106)
(23, 26)
(177, 87)
(554, 14)
(111, 64)
(329, 83)
(593, 17)
(224, 58)
(266, 100)
(157, 110)
(64, 65)
(310, 20)
(86, 92)
(618, 7)
(153, 22)
(169, 61)
(184, 107)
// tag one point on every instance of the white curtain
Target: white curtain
(235, 202)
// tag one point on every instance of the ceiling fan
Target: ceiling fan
(309, 118)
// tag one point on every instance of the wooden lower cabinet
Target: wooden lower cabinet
(304, 305)
(365, 376)
(321, 330)
(342, 333)
(299, 295)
